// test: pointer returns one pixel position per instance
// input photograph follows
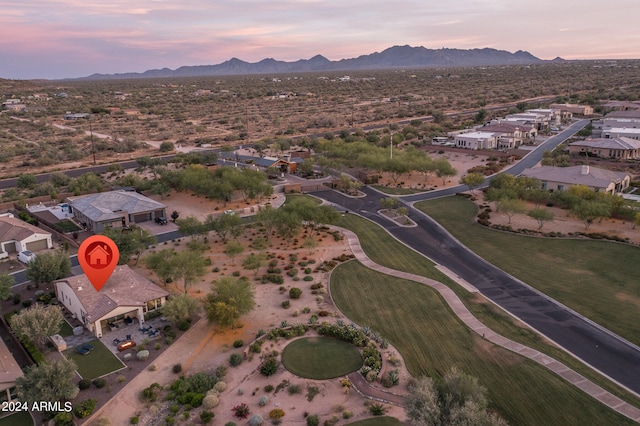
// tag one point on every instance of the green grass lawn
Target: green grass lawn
(21, 418)
(599, 279)
(96, 363)
(398, 191)
(378, 421)
(321, 358)
(431, 339)
(66, 330)
(67, 226)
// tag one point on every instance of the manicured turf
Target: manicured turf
(431, 339)
(67, 226)
(21, 418)
(599, 279)
(98, 362)
(321, 358)
(66, 330)
(378, 421)
(385, 250)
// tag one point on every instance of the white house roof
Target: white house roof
(609, 143)
(476, 135)
(621, 130)
(106, 205)
(125, 287)
(576, 175)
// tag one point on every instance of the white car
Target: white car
(26, 256)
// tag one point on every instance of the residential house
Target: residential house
(476, 140)
(574, 108)
(286, 164)
(621, 132)
(124, 299)
(17, 235)
(10, 371)
(560, 178)
(114, 209)
(508, 135)
(622, 148)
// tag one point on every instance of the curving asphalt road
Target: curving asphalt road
(603, 350)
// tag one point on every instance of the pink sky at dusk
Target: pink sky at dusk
(72, 38)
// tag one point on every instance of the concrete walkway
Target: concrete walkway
(474, 324)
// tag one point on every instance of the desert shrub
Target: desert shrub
(150, 394)
(255, 347)
(269, 367)
(268, 388)
(220, 386)
(276, 414)
(206, 416)
(84, 408)
(241, 411)
(313, 420)
(256, 420)
(264, 400)
(134, 420)
(184, 325)
(210, 401)
(84, 384)
(177, 368)
(294, 389)
(235, 360)
(286, 304)
(142, 355)
(390, 379)
(377, 409)
(307, 278)
(295, 293)
(273, 278)
(238, 343)
(99, 382)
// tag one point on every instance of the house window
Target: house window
(560, 187)
(544, 185)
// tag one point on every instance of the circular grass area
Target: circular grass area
(321, 358)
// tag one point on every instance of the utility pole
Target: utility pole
(390, 144)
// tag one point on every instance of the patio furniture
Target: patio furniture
(128, 344)
(128, 337)
(81, 350)
(128, 321)
(154, 333)
(87, 346)
(116, 341)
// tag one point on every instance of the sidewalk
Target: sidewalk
(479, 328)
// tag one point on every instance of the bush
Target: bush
(84, 408)
(276, 414)
(377, 409)
(210, 401)
(142, 355)
(273, 278)
(177, 368)
(286, 304)
(206, 416)
(313, 420)
(308, 278)
(134, 420)
(84, 384)
(268, 388)
(255, 347)
(238, 343)
(184, 325)
(220, 386)
(150, 394)
(63, 418)
(295, 293)
(264, 400)
(235, 360)
(241, 411)
(99, 382)
(256, 420)
(269, 367)
(294, 389)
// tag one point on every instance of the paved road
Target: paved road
(597, 347)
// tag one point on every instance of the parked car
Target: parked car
(161, 220)
(26, 256)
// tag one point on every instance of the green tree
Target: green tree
(37, 323)
(472, 180)
(456, 400)
(167, 146)
(444, 169)
(541, 215)
(254, 262)
(6, 281)
(481, 115)
(132, 241)
(181, 308)
(225, 225)
(511, 207)
(229, 299)
(189, 266)
(48, 267)
(636, 220)
(160, 262)
(233, 249)
(190, 226)
(389, 203)
(26, 181)
(51, 382)
(589, 210)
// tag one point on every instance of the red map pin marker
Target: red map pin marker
(98, 256)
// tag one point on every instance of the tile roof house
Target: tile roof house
(508, 135)
(17, 235)
(618, 148)
(115, 209)
(125, 296)
(10, 371)
(560, 178)
(476, 140)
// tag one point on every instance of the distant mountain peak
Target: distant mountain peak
(393, 57)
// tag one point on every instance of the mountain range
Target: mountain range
(393, 57)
